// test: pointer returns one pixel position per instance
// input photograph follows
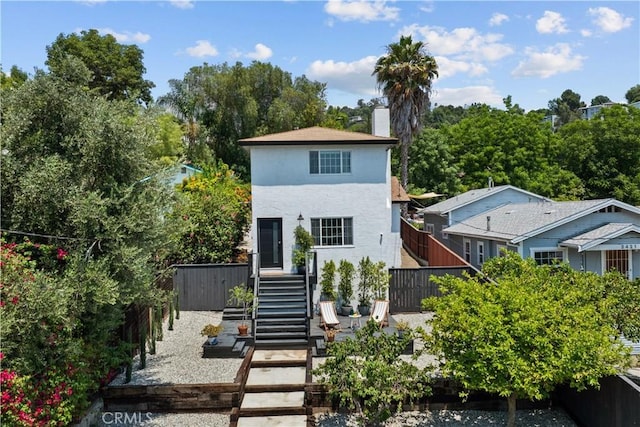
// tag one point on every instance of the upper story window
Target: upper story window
(467, 250)
(480, 253)
(332, 231)
(329, 162)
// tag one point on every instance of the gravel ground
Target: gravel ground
(529, 418)
(178, 360)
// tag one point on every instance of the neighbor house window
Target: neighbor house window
(332, 231)
(502, 250)
(329, 162)
(467, 250)
(480, 253)
(547, 257)
(430, 228)
(617, 260)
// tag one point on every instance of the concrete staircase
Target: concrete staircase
(274, 392)
(281, 319)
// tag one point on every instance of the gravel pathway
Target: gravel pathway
(178, 360)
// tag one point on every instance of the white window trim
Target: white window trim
(320, 246)
(565, 253)
(482, 252)
(466, 241)
(333, 151)
(603, 261)
(430, 228)
(499, 248)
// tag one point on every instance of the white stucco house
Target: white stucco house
(336, 184)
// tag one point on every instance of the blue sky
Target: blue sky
(485, 51)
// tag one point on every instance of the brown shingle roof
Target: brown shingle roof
(316, 135)
(397, 192)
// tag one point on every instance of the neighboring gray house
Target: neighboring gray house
(180, 172)
(456, 209)
(591, 235)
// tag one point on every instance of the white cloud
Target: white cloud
(586, 33)
(361, 10)
(182, 4)
(497, 19)
(465, 43)
(608, 20)
(201, 49)
(448, 67)
(466, 96)
(260, 53)
(352, 77)
(126, 36)
(91, 2)
(551, 22)
(555, 60)
(428, 6)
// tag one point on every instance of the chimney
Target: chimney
(380, 122)
(488, 222)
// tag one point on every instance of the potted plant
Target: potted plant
(346, 271)
(240, 296)
(380, 281)
(212, 331)
(401, 327)
(365, 275)
(330, 334)
(303, 243)
(327, 281)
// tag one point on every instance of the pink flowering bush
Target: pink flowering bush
(47, 370)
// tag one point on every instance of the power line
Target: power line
(47, 236)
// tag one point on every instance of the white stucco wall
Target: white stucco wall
(282, 187)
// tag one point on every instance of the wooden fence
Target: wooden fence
(617, 403)
(205, 287)
(410, 285)
(426, 247)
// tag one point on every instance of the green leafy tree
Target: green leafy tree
(117, 70)
(510, 148)
(367, 373)
(210, 218)
(532, 329)
(74, 169)
(433, 164)
(600, 99)
(15, 78)
(566, 107)
(605, 153)
(169, 147)
(405, 75)
(443, 115)
(633, 94)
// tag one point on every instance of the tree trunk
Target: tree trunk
(511, 414)
(404, 170)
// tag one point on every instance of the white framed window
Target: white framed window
(466, 243)
(429, 228)
(548, 256)
(329, 162)
(501, 249)
(444, 234)
(480, 253)
(332, 231)
(617, 260)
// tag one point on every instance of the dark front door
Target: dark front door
(270, 242)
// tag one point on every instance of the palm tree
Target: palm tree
(405, 74)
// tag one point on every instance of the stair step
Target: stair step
(274, 299)
(282, 335)
(281, 343)
(282, 329)
(264, 321)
